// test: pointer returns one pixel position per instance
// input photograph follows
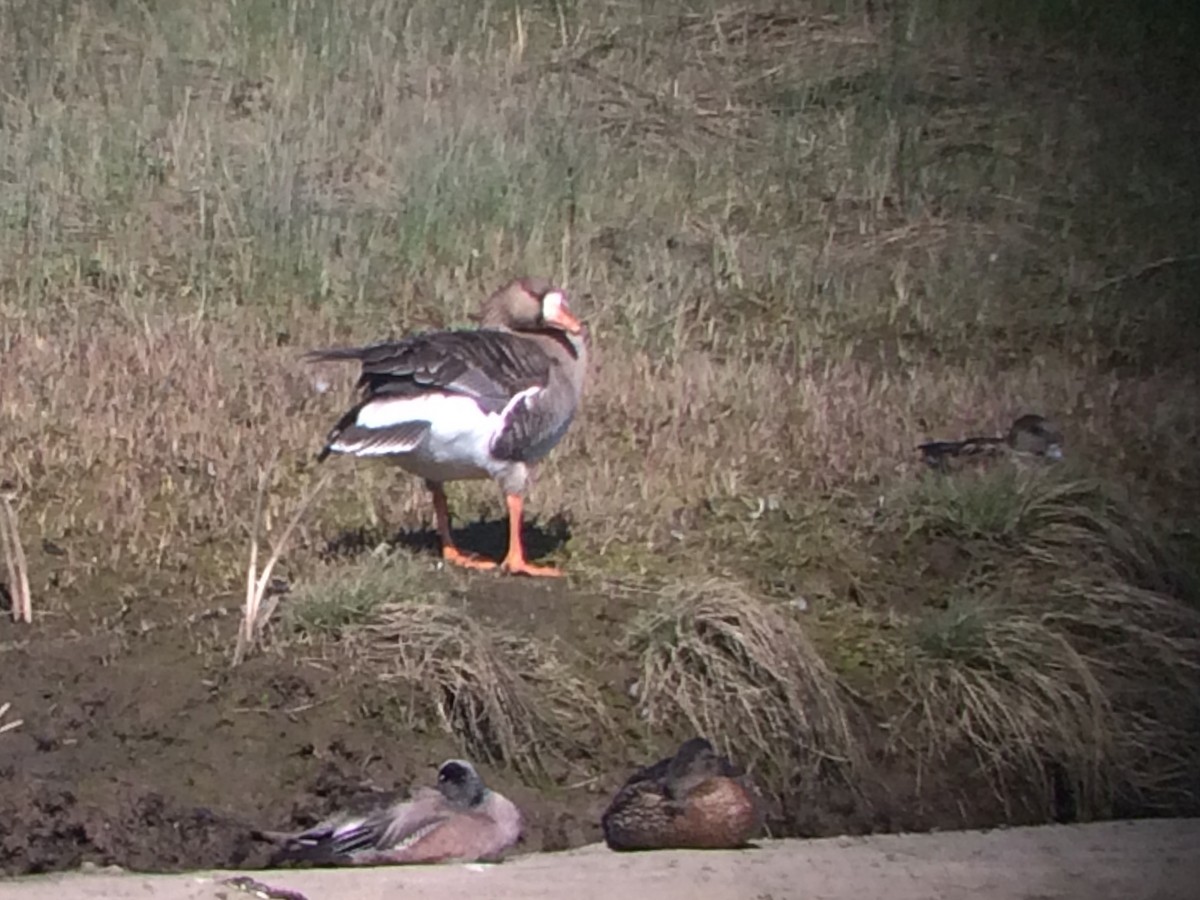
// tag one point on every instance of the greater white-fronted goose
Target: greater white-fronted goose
(695, 800)
(1030, 435)
(484, 403)
(462, 820)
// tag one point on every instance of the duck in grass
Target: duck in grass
(461, 820)
(483, 403)
(1030, 437)
(695, 799)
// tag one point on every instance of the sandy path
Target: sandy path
(1151, 859)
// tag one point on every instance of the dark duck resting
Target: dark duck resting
(459, 821)
(1030, 436)
(485, 403)
(693, 800)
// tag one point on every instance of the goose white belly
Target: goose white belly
(457, 445)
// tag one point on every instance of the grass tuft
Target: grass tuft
(1043, 513)
(509, 698)
(714, 659)
(1045, 684)
(334, 603)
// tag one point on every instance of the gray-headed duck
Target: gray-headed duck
(461, 820)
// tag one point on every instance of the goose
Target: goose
(1029, 436)
(461, 820)
(695, 799)
(477, 403)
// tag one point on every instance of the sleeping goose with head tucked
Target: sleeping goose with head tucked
(467, 404)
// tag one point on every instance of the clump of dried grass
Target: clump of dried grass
(1068, 665)
(510, 698)
(717, 660)
(1083, 690)
(1042, 513)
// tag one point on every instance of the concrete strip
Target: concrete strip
(1157, 859)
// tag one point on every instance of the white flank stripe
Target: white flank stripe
(388, 412)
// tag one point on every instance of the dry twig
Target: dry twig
(9, 726)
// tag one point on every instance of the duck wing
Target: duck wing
(342, 838)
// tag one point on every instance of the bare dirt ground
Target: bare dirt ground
(1129, 859)
(140, 747)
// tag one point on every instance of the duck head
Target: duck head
(694, 762)
(460, 784)
(1036, 435)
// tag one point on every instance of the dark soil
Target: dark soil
(141, 747)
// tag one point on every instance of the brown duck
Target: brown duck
(484, 403)
(1030, 436)
(695, 799)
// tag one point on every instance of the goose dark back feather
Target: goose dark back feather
(487, 365)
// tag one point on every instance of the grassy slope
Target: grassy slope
(807, 237)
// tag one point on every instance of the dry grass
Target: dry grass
(1049, 690)
(1062, 660)
(715, 660)
(1048, 514)
(507, 697)
(806, 239)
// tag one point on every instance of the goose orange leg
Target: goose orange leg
(450, 553)
(515, 561)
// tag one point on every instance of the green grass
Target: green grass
(351, 595)
(806, 238)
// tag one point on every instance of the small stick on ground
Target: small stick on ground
(255, 614)
(14, 559)
(8, 726)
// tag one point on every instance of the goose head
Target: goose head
(530, 304)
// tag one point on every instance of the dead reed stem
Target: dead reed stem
(14, 559)
(255, 615)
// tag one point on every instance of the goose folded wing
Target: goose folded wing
(490, 366)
